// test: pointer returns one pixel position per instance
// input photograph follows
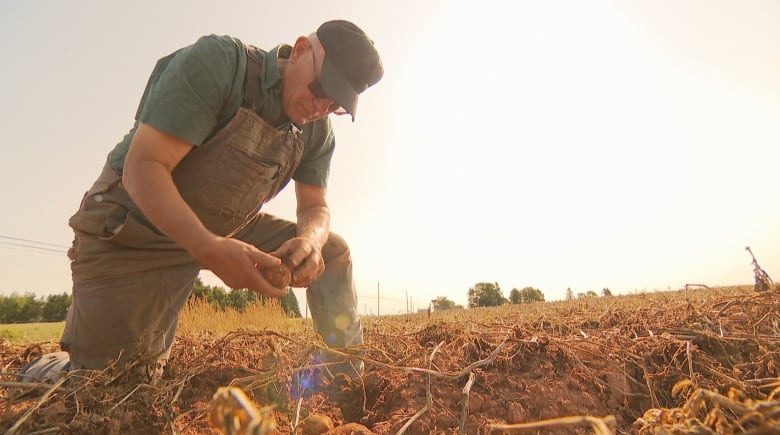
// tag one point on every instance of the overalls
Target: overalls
(130, 281)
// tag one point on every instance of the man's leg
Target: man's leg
(125, 306)
(331, 298)
(126, 299)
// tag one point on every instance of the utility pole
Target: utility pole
(377, 298)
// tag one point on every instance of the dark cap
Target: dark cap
(351, 63)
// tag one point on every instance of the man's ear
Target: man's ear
(302, 45)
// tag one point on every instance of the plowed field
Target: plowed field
(695, 361)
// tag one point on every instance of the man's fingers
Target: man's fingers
(308, 271)
(260, 258)
(262, 286)
(280, 252)
(275, 292)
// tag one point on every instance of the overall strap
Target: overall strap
(252, 78)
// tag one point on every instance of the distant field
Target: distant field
(31, 332)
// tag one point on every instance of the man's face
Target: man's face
(302, 97)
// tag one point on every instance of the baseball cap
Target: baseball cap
(351, 63)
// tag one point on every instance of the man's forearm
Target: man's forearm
(314, 224)
(151, 187)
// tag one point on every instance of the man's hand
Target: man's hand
(304, 257)
(236, 262)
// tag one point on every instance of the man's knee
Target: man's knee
(335, 247)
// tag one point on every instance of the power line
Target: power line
(33, 241)
(25, 249)
(59, 251)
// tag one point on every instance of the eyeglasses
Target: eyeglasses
(315, 87)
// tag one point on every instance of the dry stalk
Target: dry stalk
(465, 403)
(601, 426)
(30, 386)
(40, 402)
(566, 347)
(295, 422)
(456, 375)
(45, 431)
(125, 398)
(764, 382)
(183, 382)
(428, 397)
(653, 397)
(723, 401)
(690, 359)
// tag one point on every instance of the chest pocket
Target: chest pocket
(226, 180)
(247, 174)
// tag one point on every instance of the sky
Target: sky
(559, 144)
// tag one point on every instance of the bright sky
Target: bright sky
(556, 144)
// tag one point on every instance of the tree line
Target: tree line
(28, 308)
(487, 294)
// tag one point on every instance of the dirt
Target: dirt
(674, 362)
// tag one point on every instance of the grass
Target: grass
(196, 319)
(22, 333)
(199, 318)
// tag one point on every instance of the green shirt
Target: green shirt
(195, 91)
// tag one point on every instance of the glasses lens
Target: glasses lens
(315, 87)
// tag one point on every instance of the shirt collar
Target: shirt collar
(272, 87)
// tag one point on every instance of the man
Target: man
(221, 129)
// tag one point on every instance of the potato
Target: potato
(279, 276)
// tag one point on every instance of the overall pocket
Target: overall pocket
(102, 217)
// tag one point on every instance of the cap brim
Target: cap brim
(338, 88)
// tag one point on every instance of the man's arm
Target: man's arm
(152, 156)
(304, 253)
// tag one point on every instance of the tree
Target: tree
(31, 309)
(485, 294)
(56, 308)
(20, 309)
(290, 305)
(526, 295)
(442, 303)
(605, 292)
(214, 295)
(530, 294)
(9, 308)
(569, 294)
(238, 299)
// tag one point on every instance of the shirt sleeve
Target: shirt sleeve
(320, 144)
(190, 94)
